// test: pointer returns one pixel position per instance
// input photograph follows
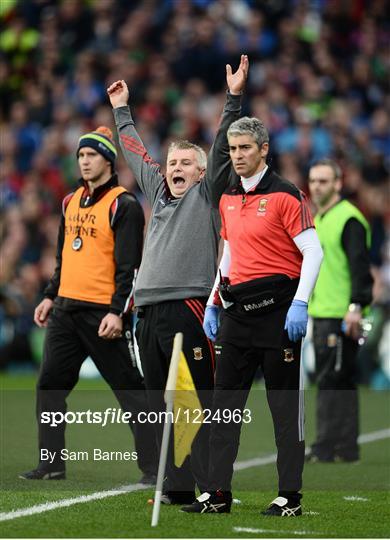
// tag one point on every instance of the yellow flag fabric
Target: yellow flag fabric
(188, 413)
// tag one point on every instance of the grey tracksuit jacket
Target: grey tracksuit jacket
(181, 246)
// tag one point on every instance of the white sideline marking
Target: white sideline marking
(355, 498)
(45, 507)
(239, 466)
(250, 530)
(374, 436)
(254, 462)
(266, 460)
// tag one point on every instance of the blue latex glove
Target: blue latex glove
(210, 322)
(296, 320)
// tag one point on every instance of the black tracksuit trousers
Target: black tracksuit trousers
(337, 396)
(244, 342)
(71, 336)
(155, 331)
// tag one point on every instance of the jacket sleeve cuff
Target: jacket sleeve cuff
(233, 102)
(115, 311)
(122, 115)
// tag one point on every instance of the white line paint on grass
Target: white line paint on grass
(267, 460)
(374, 436)
(278, 531)
(239, 466)
(355, 498)
(255, 462)
(63, 503)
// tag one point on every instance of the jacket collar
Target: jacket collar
(262, 186)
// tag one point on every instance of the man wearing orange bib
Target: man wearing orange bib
(86, 305)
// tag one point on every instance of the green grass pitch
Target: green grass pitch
(340, 500)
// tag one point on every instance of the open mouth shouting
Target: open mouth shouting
(178, 181)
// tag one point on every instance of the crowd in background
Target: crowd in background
(318, 79)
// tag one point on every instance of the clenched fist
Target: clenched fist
(118, 94)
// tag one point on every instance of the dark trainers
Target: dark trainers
(177, 497)
(166, 499)
(39, 474)
(311, 457)
(148, 479)
(217, 502)
(283, 507)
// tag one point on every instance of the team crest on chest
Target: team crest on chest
(262, 206)
(198, 355)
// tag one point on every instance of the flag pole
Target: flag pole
(169, 397)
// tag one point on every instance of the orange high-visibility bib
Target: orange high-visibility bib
(88, 271)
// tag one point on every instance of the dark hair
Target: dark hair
(329, 163)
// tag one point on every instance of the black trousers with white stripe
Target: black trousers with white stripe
(155, 331)
(238, 356)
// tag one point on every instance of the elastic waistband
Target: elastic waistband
(264, 283)
(141, 310)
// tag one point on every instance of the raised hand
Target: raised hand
(118, 94)
(236, 81)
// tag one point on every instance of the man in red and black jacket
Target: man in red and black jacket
(87, 304)
(268, 269)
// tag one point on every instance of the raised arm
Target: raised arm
(219, 171)
(146, 171)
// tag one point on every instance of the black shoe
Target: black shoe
(148, 479)
(40, 474)
(177, 497)
(217, 502)
(311, 457)
(283, 507)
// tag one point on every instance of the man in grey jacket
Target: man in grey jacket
(179, 264)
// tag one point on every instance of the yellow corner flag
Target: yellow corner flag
(188, 413)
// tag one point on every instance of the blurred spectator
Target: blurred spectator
(27, 134)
